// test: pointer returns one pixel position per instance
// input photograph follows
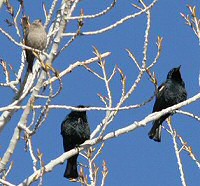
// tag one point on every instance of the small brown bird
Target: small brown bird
(35, 37)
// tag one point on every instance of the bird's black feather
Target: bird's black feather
(75, 130)
(171, 92)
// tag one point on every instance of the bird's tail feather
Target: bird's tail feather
(30, 66)
(155, 132)
(30, 59)
(71, 169)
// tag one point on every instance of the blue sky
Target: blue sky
(132, 159)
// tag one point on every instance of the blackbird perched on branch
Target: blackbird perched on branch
(35, 37)
(170, 93)
(75, 130)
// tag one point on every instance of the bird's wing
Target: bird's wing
(80, 121)
(80, 127)
(83, 129)
(63, 126)
(160, 102)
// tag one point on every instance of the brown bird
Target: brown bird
(35, 37)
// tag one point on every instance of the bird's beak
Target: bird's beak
(179, 67)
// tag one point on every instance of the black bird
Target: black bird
(170, 93)
(75, 130)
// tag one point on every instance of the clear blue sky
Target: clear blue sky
(132, 159)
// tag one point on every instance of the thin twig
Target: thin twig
(188, 114)
(109, 8)
(100, 31)
(180, 165)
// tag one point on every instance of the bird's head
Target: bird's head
(175, 74)
(81, 106)
(37, 22)
(76, 113)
